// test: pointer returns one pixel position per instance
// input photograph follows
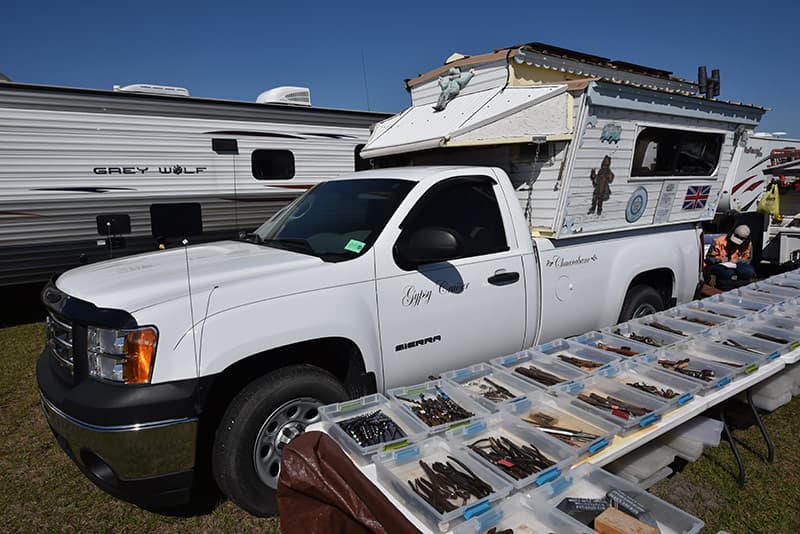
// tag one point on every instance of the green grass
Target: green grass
(41, 490)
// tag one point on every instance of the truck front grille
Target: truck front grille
(59, 341)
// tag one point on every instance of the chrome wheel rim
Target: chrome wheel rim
(644, 309)
(279, 429)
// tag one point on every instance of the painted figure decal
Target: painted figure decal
(601, 181)
(451, 85)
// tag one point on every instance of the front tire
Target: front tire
(271, 411)
(640, 300)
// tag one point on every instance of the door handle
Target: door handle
(503, 279)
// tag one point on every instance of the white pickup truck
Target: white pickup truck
(159, 364)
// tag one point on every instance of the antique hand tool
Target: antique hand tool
(586, 365)
(625, 351)
(494, 391)
(714, 312)
(666, 328)
(372, 428)
(437, 410)
(654, 390)
(641, 339)
(543, 377)
(515, 460)
(617, 407)
(735, 344)
(703, 322)
(547, 424)
(682, 366)
(773, 339)
(444, 483)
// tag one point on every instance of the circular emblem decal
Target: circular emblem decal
(636, 205)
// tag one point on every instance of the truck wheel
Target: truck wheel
(260, 421)
(640, 300)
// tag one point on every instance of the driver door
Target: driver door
(448, 315)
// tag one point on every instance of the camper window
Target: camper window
(666, 152)
(273, 164)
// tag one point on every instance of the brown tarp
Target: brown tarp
(321, 490)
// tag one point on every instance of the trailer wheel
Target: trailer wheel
(640, 300)
(260, 421)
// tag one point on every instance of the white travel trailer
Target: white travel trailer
(86, 174)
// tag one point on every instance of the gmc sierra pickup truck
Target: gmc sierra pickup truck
(158, 364)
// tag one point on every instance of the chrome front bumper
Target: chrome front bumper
(130, 452)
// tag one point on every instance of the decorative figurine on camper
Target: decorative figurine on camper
(451, 85)
(601, 181)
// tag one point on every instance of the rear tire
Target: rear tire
(640, 300)
(271, 411)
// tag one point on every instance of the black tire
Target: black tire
(640, 300)
(263, 405)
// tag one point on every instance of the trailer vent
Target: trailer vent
(153, 89)
(299, 96)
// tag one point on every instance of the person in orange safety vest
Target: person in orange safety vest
(729, 256)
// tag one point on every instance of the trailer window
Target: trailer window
(272, 164)
(666, 152)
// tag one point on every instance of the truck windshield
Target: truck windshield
(335, 220)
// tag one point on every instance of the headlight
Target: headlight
(124, 356)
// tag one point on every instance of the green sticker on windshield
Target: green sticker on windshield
(354, 246)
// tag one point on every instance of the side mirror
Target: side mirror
(427, 245)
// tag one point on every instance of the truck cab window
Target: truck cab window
(470, 210)
(666, 152)
(272, 164)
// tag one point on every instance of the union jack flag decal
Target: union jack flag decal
(696, 197)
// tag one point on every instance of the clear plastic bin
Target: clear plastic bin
(334, 414)
(670, 325)
(622, 347)
(762, 294)
(561, 350)
(472, 381)
(567, 417)
(782, 318)
(602, 386)
(628, 373)
(740, 300)
(531, 360)
(395, 469)
(701, 319)
(516, 514)
(647, 335)
(721, 376)
(786, 310)
(505, 425)
(589, 482)
(742, 363)
(724, 310)
(432, 389)
(781, 288)
(762, 327)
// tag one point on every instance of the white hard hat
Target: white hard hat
(740, 234)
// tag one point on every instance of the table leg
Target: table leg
(726, 432)
(761, 427)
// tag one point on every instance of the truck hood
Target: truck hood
(136, 282)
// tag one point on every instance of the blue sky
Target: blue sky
(237, 49)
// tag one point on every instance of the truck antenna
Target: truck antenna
(185, 244)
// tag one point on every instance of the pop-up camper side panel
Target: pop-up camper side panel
(638, 168)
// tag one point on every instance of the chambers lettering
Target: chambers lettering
(560, 262)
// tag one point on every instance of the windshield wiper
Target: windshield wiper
(293, 243)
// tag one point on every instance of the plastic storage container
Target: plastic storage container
(516, 514)
(505, 426)
(701, 319)
(780, 288)
(781, 317)
(336, 414)
(737, 299)
(434, 388)
(622, 347)
(760, 327)
(589, 482)
(642, 463)
(604, 387)
(670, 325)
(562, 350)
(770, 292)
(742, 363)
(724, 310)
(628, 373)
(395, 469)
(719, 375)
(532, 361)
(473, 381)
(640, 333)
(757, 351)
(566, 418)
